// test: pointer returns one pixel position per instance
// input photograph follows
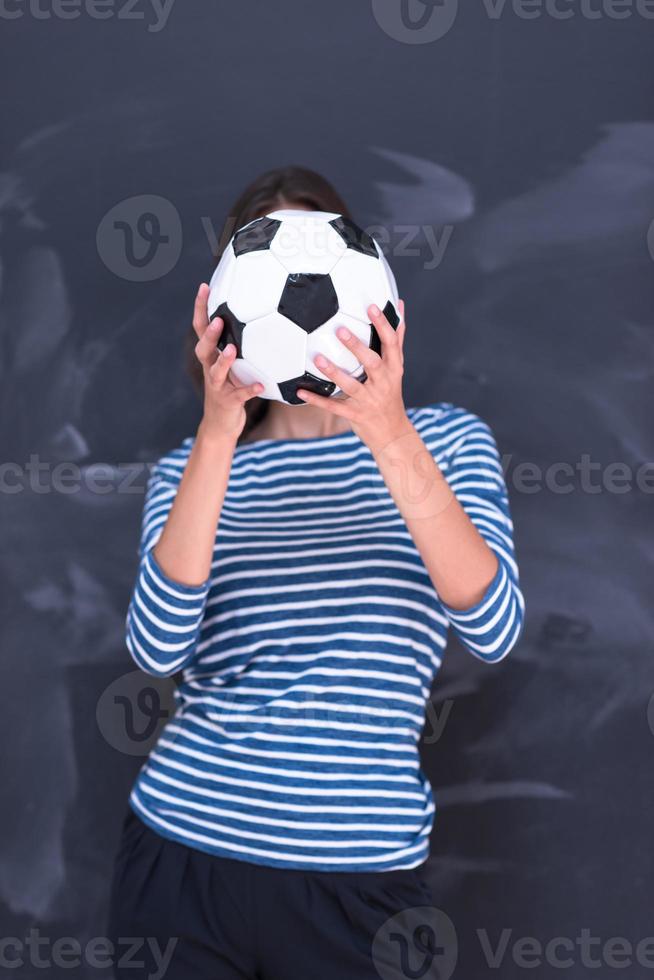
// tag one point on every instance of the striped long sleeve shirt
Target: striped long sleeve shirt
(308, 655)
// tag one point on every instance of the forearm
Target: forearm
(460, 563)
(185, 549)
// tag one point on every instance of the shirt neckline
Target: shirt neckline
(308, 441)
(304, 441)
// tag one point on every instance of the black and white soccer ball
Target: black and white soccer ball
(284, 284)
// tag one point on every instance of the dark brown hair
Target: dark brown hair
(269, 192)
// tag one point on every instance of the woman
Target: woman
(302, 569)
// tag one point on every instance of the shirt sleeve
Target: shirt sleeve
(164, 617)
(491, 628)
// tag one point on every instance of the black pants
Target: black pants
(180, 913)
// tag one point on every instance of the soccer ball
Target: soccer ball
(284, 284)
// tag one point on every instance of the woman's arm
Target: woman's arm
(464, 539)
(459, 561)
(181, 515)
(462, 528)
(185, 548)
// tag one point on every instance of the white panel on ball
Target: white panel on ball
(243, 373)
(294, 213)
(324, 341)
(357, 279)
(308, 244)
(256, 286)
(390, 279)
(221, 281)
(275, 345)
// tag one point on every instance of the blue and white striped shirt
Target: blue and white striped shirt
(309, 653)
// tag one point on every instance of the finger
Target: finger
(402, 322)
(370, 360)
(205, 349)
(200, 312)
(220, 369)
(331, 405)
(388, 336)
(243, 393)
(345, 381)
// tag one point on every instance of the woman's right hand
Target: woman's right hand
(224, 402)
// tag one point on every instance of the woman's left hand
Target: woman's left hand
(375, 407)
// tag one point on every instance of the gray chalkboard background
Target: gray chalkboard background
(517, 147)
